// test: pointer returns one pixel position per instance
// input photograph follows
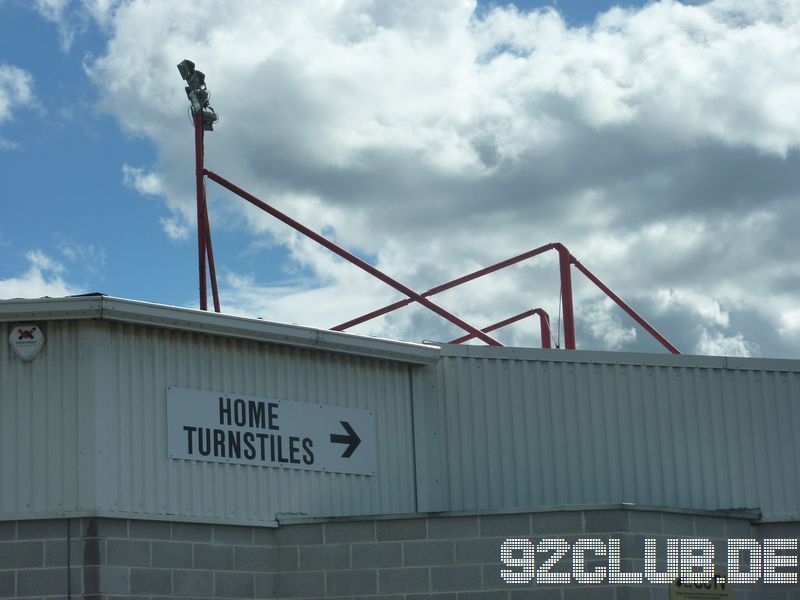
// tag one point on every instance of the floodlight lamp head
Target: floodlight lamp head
(197, 93)
(197, 80)
(209, 118)
(186, 68)
(196, 102)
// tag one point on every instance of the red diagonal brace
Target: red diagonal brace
(351, 258)
(445, 286)
(494, 326)
(564, 258)
(624, 306)
(544, 326)
(544, 323)
(212, 269)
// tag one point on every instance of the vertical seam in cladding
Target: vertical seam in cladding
(646, 386)
(778, 484)
(791, 379)
(792, 509)
(639, 408)
(610, 422)
(733, 451)
(493, 371)
(413, 439)
(717, 474)
(555, 466)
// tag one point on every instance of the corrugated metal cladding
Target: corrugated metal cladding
(555, 428)
(42, 434)
(83, 426)
(136, 475)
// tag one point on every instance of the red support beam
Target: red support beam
(544, 325)
(212, 270)
(564, 260)
(624, 306)
(544, 322)
(201, 211)
(205, 249)
(498, 325)
(445, 286)
(351, 258)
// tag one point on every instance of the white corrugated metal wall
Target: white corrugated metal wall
(82, 428)
(42, 432)
(539, 428)
(139, 478)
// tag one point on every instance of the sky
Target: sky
(657, 140)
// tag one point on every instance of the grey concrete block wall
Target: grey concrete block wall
(416, 557)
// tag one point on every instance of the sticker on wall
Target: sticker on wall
(26, 340)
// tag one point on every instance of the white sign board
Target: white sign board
(247, 430)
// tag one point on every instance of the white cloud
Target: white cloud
(52, 10)
(142, 181)
(297, 301)
(101, 11)
(73, 17)
(790, 322)
(718, 344)
(705, 307)
(91, 257)
(16, 91)
(175, 228)
(43, 277)
(604, 325)
(55, 11)
(660, 144)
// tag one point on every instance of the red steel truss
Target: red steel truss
(565, 259)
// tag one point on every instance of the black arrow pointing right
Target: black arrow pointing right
(351, 439)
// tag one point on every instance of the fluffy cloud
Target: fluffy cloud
(43, 277)
(148, 183)
(72, 17)
(660, 144)
(718, 343)
(16, 90)
(142, 181)
(90, 257)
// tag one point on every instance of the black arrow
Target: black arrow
(351, 439)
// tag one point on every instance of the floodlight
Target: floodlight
(197, 105)
(209, 118)
(198, 80)
(198, 94)
(186, 68)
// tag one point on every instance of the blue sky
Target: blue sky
(65, 176)
(62, 184)
(94, 195)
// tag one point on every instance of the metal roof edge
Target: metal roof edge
(620, 358)
(193, 320)
(132, 516)
(51, 309)
(137, 312)
(753, 515)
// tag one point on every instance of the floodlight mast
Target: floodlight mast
(204, 118)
